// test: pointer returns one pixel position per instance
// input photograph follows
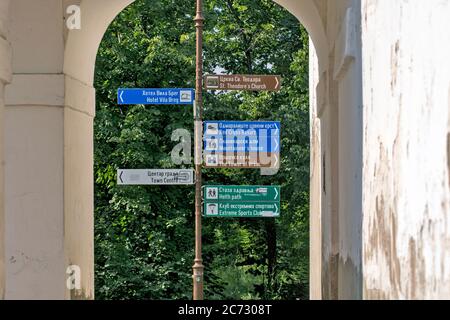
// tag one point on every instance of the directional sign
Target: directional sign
(155, 177)
(156, 96)
(241, 201)
(242, 144)
(242, 82)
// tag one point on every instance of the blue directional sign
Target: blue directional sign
(156, 96)
(242, 144)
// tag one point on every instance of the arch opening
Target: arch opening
(81, 51)
(147, 85)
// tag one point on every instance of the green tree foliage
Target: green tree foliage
(144, 235)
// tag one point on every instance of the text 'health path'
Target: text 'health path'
(156, 96)
(242, 144)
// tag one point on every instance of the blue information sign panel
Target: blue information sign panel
(242, 144)
(156, 96)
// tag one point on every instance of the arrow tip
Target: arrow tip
(121, 96)
(276, 160)
(276, 145)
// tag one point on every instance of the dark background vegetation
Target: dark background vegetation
(144, 235)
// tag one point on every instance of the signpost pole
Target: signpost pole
(198, 107)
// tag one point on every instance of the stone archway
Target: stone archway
(79, 62)
(79, 66)
(49, 162)
(47, 106)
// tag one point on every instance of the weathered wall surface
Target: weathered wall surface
(339, 104)
(347, 68)
(336, 146)
(5, 77)
(34, 153)
(406, 72)
(315, 218)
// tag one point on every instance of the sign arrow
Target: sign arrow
(276, 145)
(155, 96)
(241, 144)
(277, 130)
(242, 82)
(241, 201)
(121, 173)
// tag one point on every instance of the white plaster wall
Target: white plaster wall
(315, 278)
(79, 199)
(79, 66)
(406, 227)
(347, 74)
(34, 203)
(5, 77)
(34, 140)
(2, 212)
(350, 195)
(36, 36)
(339, 101)
(328, 240)
(4, 18)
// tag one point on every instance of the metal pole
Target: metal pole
(198, 108)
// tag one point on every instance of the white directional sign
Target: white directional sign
(155, 176)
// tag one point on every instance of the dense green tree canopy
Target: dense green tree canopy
(144, 235)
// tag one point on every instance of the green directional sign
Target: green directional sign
(241, 201)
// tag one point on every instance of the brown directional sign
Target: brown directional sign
(243, 82)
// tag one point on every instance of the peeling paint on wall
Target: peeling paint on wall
(406, 231)
(448, 137)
